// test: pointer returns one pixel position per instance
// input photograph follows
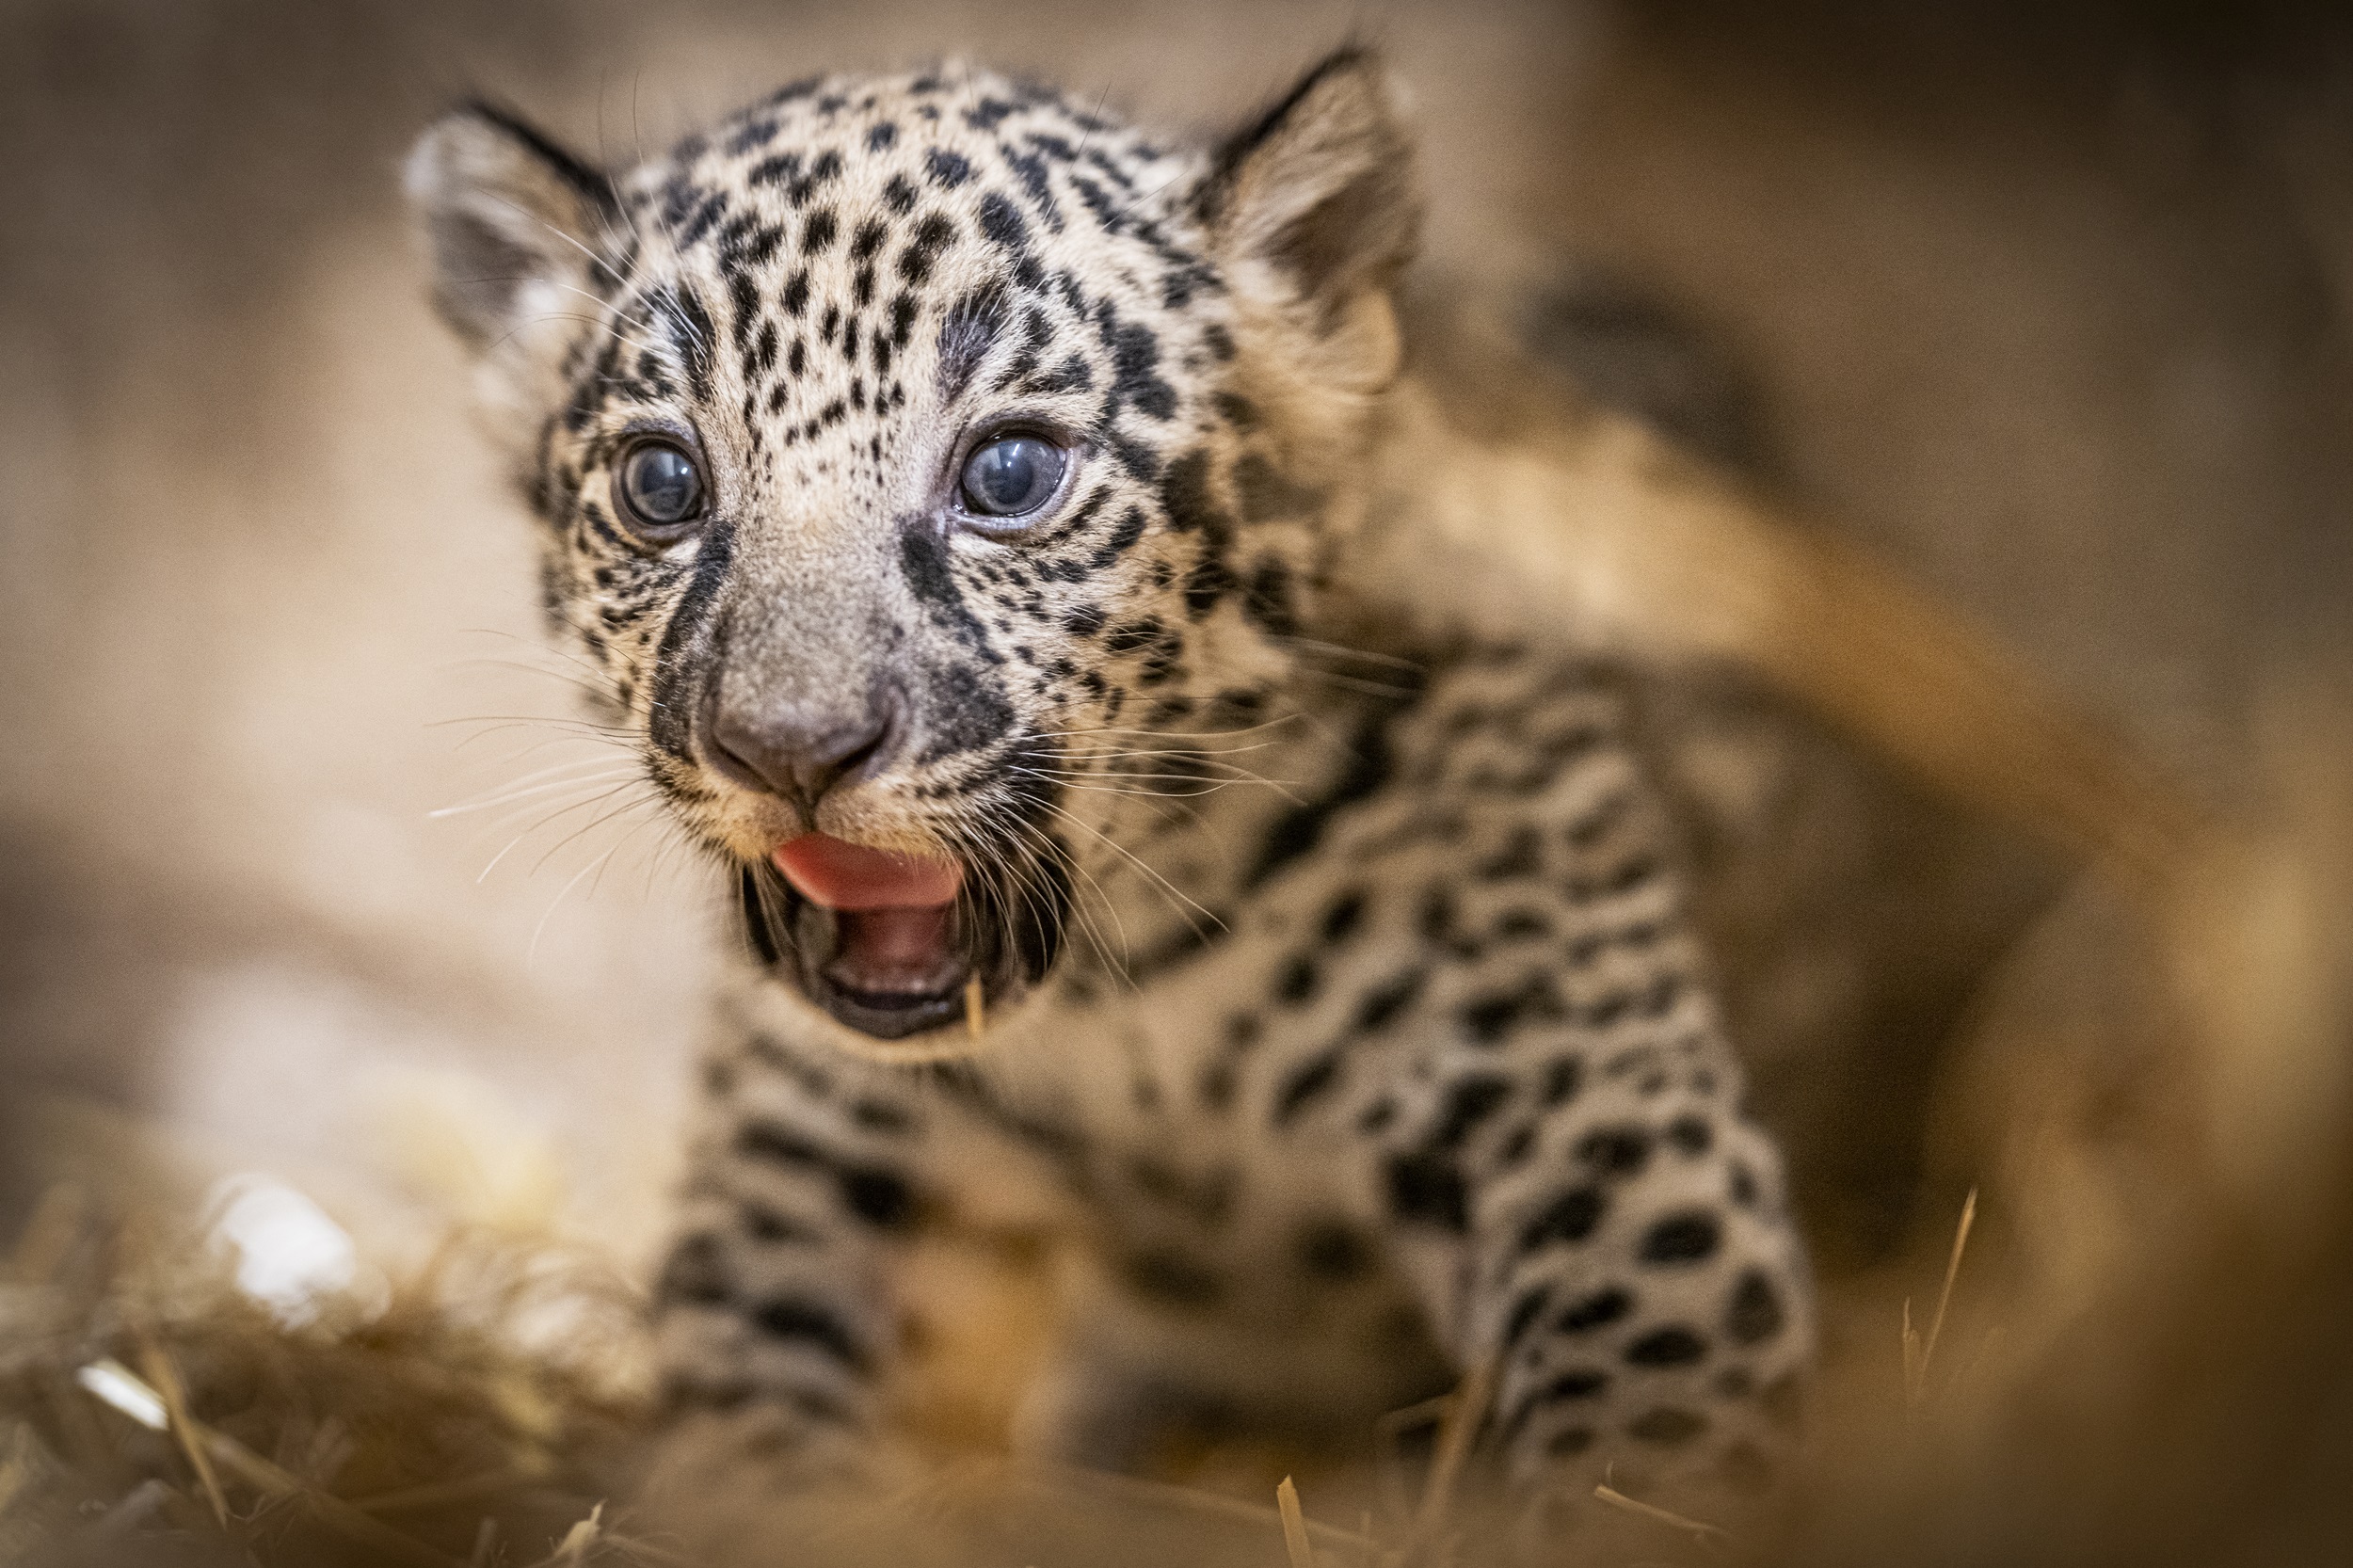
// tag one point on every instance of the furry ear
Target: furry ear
(513, 221)
(1313, 211)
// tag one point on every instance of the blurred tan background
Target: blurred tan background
(2048, 304)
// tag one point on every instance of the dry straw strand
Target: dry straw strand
(1294, 1526)
(1698, 1530)
(1919, 1352)
(1461, 1423)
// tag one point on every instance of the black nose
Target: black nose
(799, 751)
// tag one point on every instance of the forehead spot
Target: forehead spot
(946, 169)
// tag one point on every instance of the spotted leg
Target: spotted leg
(774, 1309)
(1592, 1217)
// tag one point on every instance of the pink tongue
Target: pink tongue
(850, 876)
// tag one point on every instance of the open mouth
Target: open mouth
(890, 945)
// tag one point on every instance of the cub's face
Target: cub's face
(916, 453)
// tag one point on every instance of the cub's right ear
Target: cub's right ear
(515, 222)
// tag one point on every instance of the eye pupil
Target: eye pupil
(661, 484)
(1012, 475)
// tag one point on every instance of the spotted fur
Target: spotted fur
(1352, 990)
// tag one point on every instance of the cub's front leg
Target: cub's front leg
(1593, 1219)
(775, 1309)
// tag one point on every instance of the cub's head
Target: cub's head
(913, 452)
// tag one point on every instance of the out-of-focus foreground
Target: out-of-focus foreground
(2046, 307)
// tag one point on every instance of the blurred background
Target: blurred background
(2045, 305)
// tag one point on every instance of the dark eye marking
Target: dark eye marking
(1011, 476)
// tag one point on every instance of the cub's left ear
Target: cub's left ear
(516, 224)
(1313, 211)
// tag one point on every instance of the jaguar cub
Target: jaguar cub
(955, 489)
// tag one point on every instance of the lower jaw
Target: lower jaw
(796, 939)
(886, 1018)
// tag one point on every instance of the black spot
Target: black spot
(1382, 1007)
(1598, 1310)
(880, 1198)
(967, 712)
(1376, 1116)
(1522, 856)
(820, 231)
(1084, 621)
(1136, 636)
(1757, 1313)
(1571, 1217)
(1667, 1426)
(1206, 584)
(868, 239)
(1002, 223)
(1333, 1250)
(880, 136)
(767, 1224)
(1690, 1135)
(1468, 1102)
(1531, 1302)
(881, 1116)
(1301, 828)
(1267, 599)
(805, 1322)
(1172, 1277)
(1296, 982)
(750, 248)
(924, 555)
(1343, 916)
(1675, 1346)
(1490, 1019)
(1569, 1387)
(1130, 529)
(1569, 1442)
(1135, 358)
(782, 170)
(697, 1272)
(1563, 1077)
(1521, 925)
(1517, 1147)
(1743, 1187)
(1428, 1189)
(1615, 1151)
(946, 169)
(1691, 1237)
(931, 236)
(1311, 1082)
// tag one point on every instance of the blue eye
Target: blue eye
(1012, 475)
(661, 486)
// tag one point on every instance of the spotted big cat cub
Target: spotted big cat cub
(956, 490)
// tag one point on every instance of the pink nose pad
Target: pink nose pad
(842, 876)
